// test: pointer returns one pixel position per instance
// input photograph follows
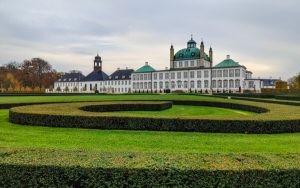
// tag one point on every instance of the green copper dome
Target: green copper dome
(189, 53)
(146, 68)
(228, 63)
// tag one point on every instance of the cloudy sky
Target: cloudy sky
(263, 35)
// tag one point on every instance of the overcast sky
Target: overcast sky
(263, 35)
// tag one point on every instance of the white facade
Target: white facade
(191, 70)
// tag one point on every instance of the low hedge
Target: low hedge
(251, 95)
(81, 119)
(155, 106)
(288, 97)
(53, 176)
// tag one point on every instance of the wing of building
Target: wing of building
(191, 70)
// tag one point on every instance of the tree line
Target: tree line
(29, 76)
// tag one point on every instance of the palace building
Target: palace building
(191, 70)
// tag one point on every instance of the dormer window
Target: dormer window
(123, 76)
(110, 77)
(75, 79)
(65, 79)
(70, 79)
(116, 77)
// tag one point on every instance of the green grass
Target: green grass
(17, 136)
(187, 111)
(34, 145)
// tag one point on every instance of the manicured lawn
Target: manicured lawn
(186, 111)
(18, 136)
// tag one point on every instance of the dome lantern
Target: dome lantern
(191, 43)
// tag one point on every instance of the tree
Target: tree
(75, 89)
(281, 84)
(294, 82)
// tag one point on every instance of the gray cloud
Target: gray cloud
(260, 34)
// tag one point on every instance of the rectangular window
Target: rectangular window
(206, 74)
(167, 75)
(186, 63)
(225, 73)
(237, 73)
(231, 73)
(155, 76)
(145, 76)
(178, 75)
(192, 63)
(192, 74)
(180, 64)
(185, 74)
(172, 75)
(198, 74)
(219, 73)
(161, 76)
(251, 84)
(213, 73)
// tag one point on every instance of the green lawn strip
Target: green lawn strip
(149, 160)
(186, 111)
(18, 136)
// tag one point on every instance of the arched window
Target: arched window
(172, 84)
(199, 84)
(237, 83)
(179, 84)
(185, 84)
(192, 84)
(214, 84)
(225, 83)
(167, 85)
(231, 84)
(219, 83)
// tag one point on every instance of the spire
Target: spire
(202, 44)
(191, 36)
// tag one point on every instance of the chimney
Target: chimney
(126, 68)
(166, 68)
(146, 63)
(228, 57)
(118, 68)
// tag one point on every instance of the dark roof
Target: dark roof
(269, 82)
(96, 76)
(71, 77)
(121, 74)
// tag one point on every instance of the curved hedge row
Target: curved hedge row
(73, 117)
(113, 107)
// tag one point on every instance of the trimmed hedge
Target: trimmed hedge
(155, 106)
(53, 176)
(288, 97)
(160, 123)
(250, 95)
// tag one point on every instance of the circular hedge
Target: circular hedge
(96, 115)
